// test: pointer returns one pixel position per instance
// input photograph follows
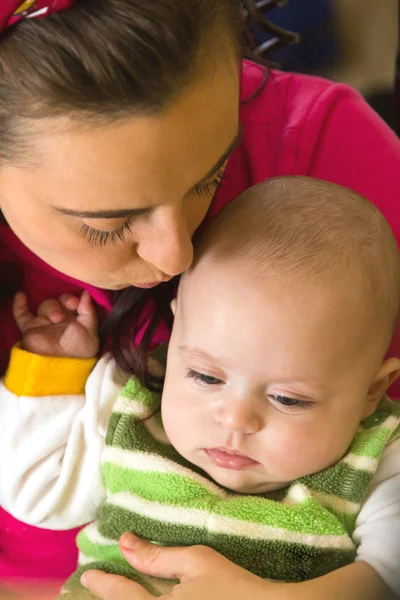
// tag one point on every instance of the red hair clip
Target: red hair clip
(12, 11)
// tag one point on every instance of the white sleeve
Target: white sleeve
(377, 532)
(50, 451)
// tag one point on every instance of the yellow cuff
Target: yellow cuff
(33, 375)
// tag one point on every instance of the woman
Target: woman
(124, 125)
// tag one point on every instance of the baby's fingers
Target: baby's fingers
(52, 310)
(21, 312)
(69, 302)
(87, 314)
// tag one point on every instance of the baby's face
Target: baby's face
(265, 382)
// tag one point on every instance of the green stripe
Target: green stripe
(112, 426)
(266, 558)
(342, 481)
(115, 520)
(370, 443)
(134, 391)
(282, 560)
(128, 434)
(348, 521)
(176, 490)
(99, 551)
(307, 518)
(167, 488)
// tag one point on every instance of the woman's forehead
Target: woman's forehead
(150, 155)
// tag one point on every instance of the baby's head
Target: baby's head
(280, 335)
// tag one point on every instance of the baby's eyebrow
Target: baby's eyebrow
(198, 352)
(303, 387)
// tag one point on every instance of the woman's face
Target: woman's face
(117, 205)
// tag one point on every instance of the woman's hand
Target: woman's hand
(64, 327)
(203, 573)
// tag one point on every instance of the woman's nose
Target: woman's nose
(167, 245)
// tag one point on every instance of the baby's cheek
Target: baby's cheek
(177, 417)
(303, 452)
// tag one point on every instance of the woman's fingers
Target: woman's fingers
(113, 587)
(181, 563)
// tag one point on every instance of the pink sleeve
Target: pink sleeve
(358, 150)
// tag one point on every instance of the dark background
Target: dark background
(353, 41)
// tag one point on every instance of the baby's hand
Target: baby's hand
(66, 327)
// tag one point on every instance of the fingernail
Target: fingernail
(128, 541)
(57, 316)
(84, 580)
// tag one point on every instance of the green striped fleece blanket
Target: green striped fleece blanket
(298, 533)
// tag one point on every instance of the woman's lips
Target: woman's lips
(229, 459)
(152, 284)
(147, 286)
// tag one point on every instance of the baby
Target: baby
(273, 441)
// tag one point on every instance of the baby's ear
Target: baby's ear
(173, 306)
(387, 374)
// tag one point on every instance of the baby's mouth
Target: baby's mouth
(227, 458)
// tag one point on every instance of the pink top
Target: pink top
(295, 125)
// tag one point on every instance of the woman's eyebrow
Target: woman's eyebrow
(232, 146)
(104, 214)
(131, 212)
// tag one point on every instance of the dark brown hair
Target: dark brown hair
(103, 60)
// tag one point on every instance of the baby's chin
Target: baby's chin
(240, 483)
(258, 488)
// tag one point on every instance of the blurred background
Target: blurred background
(353, 41)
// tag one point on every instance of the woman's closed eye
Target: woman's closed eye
(98, 237)
(203, 379)
(209, 188)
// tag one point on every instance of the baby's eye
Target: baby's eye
(286, 401)
(202, 378)
(290, 403)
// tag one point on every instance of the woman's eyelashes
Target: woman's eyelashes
(209, 188)
(98, 237)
